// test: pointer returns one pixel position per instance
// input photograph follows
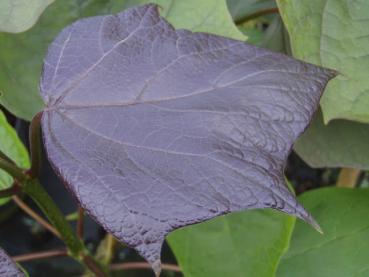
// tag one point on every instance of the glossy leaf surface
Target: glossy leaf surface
(8, 267)
(154, 129)
(334, 34)
(10, 145)
(19, 15)
(343, 249)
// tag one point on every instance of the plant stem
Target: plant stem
(256, 14)
(40, 255)
(93, 266)
(348, 177)
(13, 170)
(35, 145)
(80, 223)
(35, 216)
(104, 252)
(140, 265)
(75, 246)
(110, 247)
(34, 189)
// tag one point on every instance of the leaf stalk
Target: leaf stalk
(35, 145)
(76, 248)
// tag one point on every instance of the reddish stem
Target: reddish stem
(40, 255)
(35, 216)
(80, 223)
(140, 265)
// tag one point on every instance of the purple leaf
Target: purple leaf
(154, 128)
(8, 267)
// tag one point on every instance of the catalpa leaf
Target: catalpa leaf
(154, 128)
(8, 267)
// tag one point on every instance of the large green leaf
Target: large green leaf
(335, 34)
(13, 148)
(19, 15)
(21, 54)
(243, 244)
(341, 143)
(343, 249)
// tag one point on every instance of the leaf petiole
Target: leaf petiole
(76, 248)
(35, 145)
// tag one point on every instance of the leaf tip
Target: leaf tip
(314, 224)
(317, 227)
(156, 266)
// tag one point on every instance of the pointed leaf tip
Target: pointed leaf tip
(154, 129)
(317, 227)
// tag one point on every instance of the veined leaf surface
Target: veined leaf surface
(154, 128)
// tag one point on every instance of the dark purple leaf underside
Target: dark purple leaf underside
(154, 128)
(8, 267)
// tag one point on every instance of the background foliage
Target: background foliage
(256, 243)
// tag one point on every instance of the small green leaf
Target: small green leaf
(21, 55)
(13, 148)
(334, 34)
(19, 15)
(243, 244)
(242, 9)
(276, 36)
(341, 143)
(343, 249)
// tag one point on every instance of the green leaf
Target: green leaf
(242, 244)
(276, 37)
(21, 55)
(343, 249)
(211, 16)
(19, 15)
(241, 10)
(334, 34)
(14, 149)
(341, 143)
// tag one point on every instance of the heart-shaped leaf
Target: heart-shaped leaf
(154, 129)
(8, 267)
